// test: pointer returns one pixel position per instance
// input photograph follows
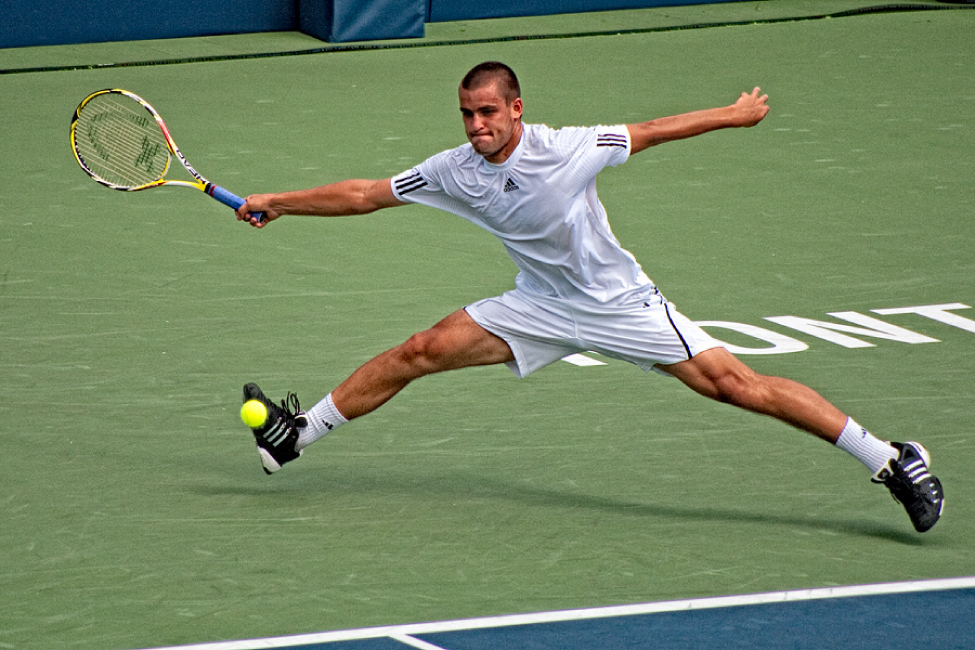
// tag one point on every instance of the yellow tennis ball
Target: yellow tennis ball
(253, 413)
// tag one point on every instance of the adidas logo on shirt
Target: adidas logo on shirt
(510, 186)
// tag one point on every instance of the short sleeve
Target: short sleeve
(614, 143)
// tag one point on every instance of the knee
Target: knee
(420, 351)
(720, 376)
(746, 390)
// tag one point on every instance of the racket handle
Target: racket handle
(230, 199)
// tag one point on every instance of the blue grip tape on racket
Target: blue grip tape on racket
(230, 199)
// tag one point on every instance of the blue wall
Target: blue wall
(340, 21)
(54, 22)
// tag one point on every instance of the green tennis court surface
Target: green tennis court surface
(135, 511)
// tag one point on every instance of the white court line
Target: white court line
(404, 632)
(414, 643)
(582, 360)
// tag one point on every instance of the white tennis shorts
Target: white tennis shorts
(540, 331)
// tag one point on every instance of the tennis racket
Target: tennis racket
(123, 143)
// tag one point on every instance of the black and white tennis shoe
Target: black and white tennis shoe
(912, 484)
(277, 437)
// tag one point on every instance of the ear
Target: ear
(517, 108)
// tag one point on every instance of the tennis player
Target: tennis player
(577, 289)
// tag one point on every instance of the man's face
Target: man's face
(493, 126)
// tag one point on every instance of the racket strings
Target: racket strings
(120, 142)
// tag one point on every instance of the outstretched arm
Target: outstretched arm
(747, 111)
(334, 200)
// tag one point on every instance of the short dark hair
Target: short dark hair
(489, 71)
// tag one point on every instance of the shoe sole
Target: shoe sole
(267, 460)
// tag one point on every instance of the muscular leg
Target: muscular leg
(903, 469)
(717, 374)
(453, 343)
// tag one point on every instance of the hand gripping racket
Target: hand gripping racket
(121, 142)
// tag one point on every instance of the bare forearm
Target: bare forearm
(749, 110)
(334, 200)
(687, 125)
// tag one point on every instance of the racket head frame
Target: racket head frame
(199, 183)
(219, 193)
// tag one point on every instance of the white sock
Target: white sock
(322, 418)
(865, 447)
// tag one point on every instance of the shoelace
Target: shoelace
(291, 406)
(289, 411)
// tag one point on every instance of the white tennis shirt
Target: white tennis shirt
(542, 204)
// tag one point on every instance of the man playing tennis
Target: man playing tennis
(577, 289)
